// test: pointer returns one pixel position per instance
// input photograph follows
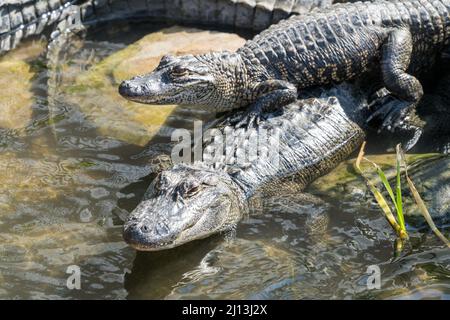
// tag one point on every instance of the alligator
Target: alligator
(402, 38)
(20, 19)
(186, 202)
(190, 201)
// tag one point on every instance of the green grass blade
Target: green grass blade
(378, 196)
(386, 183)
(383, 179)
(398, 192)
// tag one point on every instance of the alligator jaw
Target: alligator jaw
(151, 226)
(137, 240)
(134, 237)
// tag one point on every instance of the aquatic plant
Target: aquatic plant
(398, 224)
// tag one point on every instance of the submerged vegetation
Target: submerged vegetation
(398, 224)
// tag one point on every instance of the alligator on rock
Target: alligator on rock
(398, 39)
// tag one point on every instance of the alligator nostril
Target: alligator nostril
(145, 229)
(124, 88)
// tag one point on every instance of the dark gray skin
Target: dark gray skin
(189, 202)
(399, 39)
(20, 19)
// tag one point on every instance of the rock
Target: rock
(431, 181)
(17, 73)
(95, 90)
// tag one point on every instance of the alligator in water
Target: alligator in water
(23, 18)
(193, 201)
(329, 45)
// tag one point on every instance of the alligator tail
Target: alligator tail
(20, 19)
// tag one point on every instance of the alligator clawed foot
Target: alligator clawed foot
(397, 116)
(393, 114)
(251, 118)
(380, 98)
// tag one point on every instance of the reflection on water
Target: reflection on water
(73, 167)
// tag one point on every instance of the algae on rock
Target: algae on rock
(17, 70)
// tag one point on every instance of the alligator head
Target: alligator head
(205, 80)
(184, 204)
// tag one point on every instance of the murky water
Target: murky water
(75, 158)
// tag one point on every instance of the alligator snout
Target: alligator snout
(146, 89)
(143, 237)
(124, 88)
(129, 89)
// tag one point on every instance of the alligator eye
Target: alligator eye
(192, 191)
(178, 71)
(188, 190)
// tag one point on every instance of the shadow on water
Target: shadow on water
(138, 190)
(155, 274)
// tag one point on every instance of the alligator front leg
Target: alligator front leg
(404, 88)
(271, 94)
